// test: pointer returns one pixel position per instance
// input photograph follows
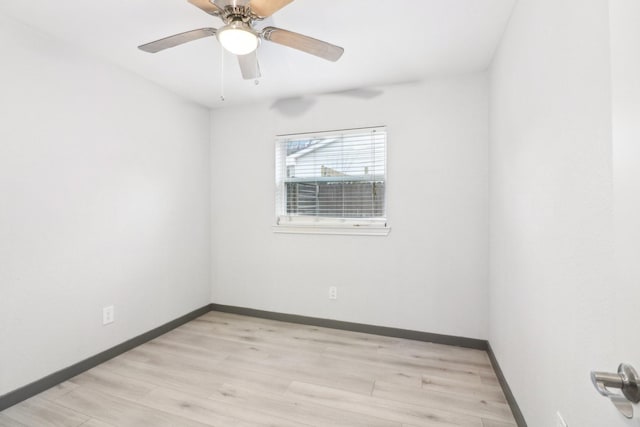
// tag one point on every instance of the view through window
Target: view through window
(332, 175)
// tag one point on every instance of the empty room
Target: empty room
(319, 213)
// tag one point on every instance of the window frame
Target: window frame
(301, 224)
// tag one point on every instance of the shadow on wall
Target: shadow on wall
(294, 106)
(298, 105)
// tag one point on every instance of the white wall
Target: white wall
(104, 199)
(428, 274)
(552, 305)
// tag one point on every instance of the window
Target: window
(332, 182)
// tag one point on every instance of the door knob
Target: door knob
(626, 380)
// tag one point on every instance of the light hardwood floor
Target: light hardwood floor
(229, 370)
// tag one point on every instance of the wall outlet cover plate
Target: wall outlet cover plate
(108, 315)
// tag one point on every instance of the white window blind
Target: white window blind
(332, 178)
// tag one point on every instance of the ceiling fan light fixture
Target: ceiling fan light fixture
(238, 38)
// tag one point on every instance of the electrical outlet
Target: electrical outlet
(560, 422)
(108, 315)
(333, 292)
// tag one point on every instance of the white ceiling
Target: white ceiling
(382, 45)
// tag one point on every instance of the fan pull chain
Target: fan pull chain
(257, 70)
(221, 74)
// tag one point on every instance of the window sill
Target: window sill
(335, 230)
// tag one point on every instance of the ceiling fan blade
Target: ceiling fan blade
(249, 66)
(264, 8)
(207, 6)
(306, 44)
(177, 39)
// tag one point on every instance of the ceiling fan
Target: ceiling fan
(239, 36)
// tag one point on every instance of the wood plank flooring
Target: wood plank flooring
(229, 370)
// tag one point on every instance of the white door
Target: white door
(625, 77)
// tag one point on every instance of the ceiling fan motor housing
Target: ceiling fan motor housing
(234, 13)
